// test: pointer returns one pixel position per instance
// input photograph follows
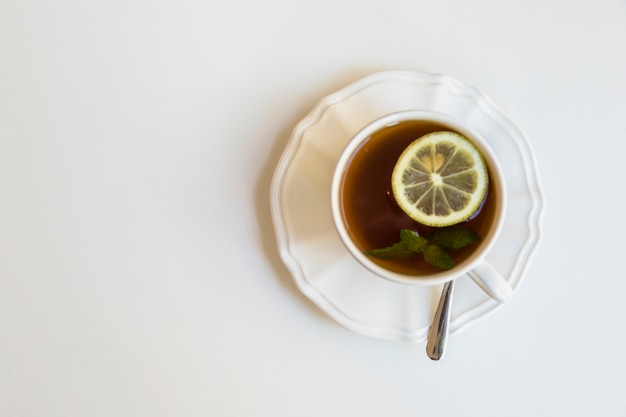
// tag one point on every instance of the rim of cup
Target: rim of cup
(496, 178)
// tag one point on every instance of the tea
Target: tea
(370, 212)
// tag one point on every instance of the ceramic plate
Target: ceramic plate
(308, 242)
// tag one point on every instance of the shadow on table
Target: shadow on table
(262, 195)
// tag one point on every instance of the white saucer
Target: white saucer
(308, 242)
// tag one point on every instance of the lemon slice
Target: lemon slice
(440, 179)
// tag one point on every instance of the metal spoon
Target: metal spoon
(438, 333)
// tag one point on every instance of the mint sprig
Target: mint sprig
(410, 244)
(434, 248)
(453, 238)
(436, 256)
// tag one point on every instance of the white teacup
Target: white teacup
(475, 265)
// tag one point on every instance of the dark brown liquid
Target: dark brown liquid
(372, 216)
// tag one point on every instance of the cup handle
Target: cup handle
(491, 282)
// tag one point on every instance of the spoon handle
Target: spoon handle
(438, 333)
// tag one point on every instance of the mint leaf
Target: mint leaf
(396, 251)
(433, 248)
(453, 238)
(410, 244)
(412, 240)
(435, 256)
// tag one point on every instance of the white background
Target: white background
(139, 274)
